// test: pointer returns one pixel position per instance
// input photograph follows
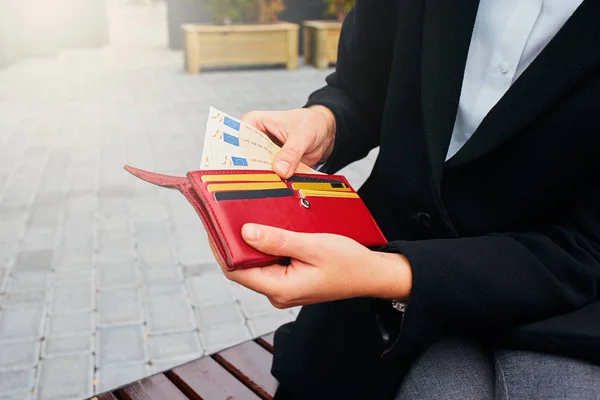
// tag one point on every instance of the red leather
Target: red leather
(224, 220)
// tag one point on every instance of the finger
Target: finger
(291, 153)
(268, 280)
(266, 122)
(254, 118)
(279, 242)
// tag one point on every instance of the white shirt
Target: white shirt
(508, 35)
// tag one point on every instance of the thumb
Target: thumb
(291, 154)
(279, 242)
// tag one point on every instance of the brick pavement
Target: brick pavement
(105, 279)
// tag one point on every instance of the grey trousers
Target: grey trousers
(462, 369)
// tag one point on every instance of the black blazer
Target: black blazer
(504, 238)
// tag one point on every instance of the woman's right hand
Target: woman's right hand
(307, 135)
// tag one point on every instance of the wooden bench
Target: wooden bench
(321, 40)
(235, 45)
(241, 372)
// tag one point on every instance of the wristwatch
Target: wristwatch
(399, 306)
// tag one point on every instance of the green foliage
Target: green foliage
(229, 11)
(339, 8)
(224, 11)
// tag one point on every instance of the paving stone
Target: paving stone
(117, 275)
(115, 246)
(28, 281)
(169, 314)
(162, 276)
(296, 310)
(74, 276)
(68, 346)
(39, 239)
(76, 247)
(44, 215)
(106, 222)
(209, 289)
(35, 260)
(16, 381)
(268, 323)
(72, 297)
(218, 316)
(153, 256)
(3, 277)
(164, 366)
(70, 324)
(17, 355)
(21, 323)
(153, 234)
(118, 375)
(178, 346)
(201, 269)
(66, 377)
(158, 291)
(255, 305)
(199, 252)
(20, 395)
(219, 339)
(27, 299)
(118, 345)
(119, 307)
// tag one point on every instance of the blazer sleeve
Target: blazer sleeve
(356, 91)
(479, 285)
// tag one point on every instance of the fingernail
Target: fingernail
(283, 167)
(251, 232)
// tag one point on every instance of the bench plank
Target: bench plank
(267, 342)
(251, 364)
(154, 387)
(206, 379)
(105, 396)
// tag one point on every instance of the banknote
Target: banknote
(232, 144)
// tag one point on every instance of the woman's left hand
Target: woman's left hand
(323, 268)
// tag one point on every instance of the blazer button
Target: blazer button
(424, 219)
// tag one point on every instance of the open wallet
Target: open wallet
(225, 200)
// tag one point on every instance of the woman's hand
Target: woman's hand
(307, 135)
(323, 268)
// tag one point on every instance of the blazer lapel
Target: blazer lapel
(573, 54)
(447, 30)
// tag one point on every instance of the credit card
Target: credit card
(222, 187)
(325, 193)
(253, 194)
(242, 178)
(313, 179)
(337, 186)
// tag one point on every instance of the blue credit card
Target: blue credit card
(232, 123)
(231, 139)
(239, 162)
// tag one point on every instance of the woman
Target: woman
(487, 115)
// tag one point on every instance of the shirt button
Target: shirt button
(503, 68)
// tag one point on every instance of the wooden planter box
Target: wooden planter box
(220, 45)
(321, 40)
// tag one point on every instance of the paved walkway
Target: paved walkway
(105, 279)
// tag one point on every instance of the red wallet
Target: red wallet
(225, 200)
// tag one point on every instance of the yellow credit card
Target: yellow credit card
(223, 187)
(325, 193)
(341, 187)
(242, 178)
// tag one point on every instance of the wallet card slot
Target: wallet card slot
(253, 194)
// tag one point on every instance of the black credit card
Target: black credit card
(253, 194)
(311, 179)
